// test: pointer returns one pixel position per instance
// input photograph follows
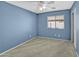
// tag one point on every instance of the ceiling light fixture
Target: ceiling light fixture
(40, 8)
(43, 5)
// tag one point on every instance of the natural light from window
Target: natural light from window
(56, 22)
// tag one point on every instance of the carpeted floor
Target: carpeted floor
(43, 47)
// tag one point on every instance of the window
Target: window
(51, 22)
(56, 22)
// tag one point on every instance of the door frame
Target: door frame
(73, 27)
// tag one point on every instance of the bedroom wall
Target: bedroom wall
(44, 31)
(16, 25)
(76, 5)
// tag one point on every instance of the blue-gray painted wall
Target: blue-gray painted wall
(16, 25)
(44, 31)
(76, 5)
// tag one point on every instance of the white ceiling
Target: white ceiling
(34, 5)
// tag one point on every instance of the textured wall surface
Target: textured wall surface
(16, 25)
(43, 30)
(76, 5)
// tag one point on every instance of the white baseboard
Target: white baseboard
(16, 46)
(52, 38)
(28, 41)
(77, 54)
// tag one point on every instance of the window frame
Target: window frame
(55, 20)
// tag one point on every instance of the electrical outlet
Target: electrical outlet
(30, 36)
(58, 35)
(54, 34)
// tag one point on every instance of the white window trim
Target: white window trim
(49, 26)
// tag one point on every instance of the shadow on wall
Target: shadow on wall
(16, 25)
(55, 33)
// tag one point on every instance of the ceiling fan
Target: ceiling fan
(43, 4)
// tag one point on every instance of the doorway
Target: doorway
(73, 27)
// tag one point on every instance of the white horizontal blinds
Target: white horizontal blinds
(56, 22)
(60, 22)
(51, 18)
(60, 17)
(57, 17)
(60, 25)
(51, 22)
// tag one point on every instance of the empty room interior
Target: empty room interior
(39, 28)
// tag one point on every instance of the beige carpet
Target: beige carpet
(43, 47)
